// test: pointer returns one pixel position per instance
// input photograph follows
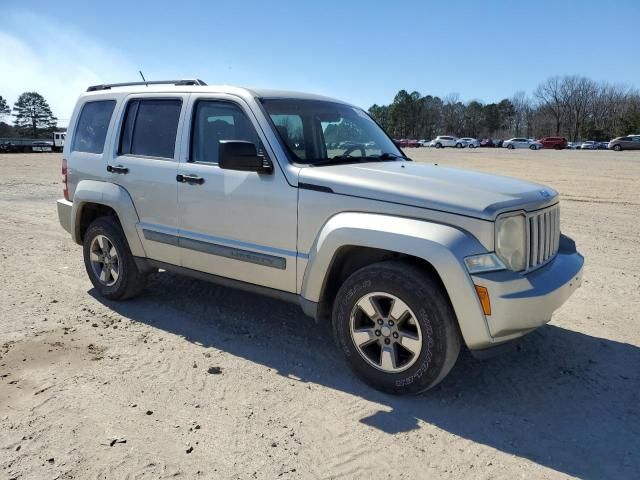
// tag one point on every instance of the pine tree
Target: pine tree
(4, 108)
(33, 112)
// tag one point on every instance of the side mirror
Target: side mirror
(243, 156)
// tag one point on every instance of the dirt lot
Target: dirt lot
(80, 375)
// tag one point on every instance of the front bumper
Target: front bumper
(522, 302)
(64, 213)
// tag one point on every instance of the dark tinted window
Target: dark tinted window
(150, 128)
(92, 127)
(215, 121)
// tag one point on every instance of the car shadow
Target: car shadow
(563, 399)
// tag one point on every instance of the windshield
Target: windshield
(316, 131)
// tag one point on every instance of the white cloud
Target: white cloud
(54, 60)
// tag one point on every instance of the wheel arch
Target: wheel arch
(350, 241)
(93, 199)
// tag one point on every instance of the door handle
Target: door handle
(190, 179)
(117, 169)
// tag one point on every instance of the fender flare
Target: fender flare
(110, 195)
(443, 246)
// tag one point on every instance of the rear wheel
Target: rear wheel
(533, 147)
(109, 262)
(396, 328)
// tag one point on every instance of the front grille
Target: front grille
(543, 236)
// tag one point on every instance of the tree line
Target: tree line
(32, 117)
(572, 106)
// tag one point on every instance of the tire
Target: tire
(102, 234)
(438, 145)
(533, 147)
(429, 327)
(557, 147)
(510, 146)
(617, 148)
(458, 145)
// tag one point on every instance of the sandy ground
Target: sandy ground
(95, 389)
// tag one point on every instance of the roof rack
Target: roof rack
(107, 86)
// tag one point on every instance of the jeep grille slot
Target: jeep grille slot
(543, 236)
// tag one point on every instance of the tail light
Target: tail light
(65, 189)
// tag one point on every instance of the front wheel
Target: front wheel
(109, 261)
(617, 148)
(438, 145)
(396, 327)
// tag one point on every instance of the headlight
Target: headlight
(511, 241)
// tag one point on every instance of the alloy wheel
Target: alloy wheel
(385, 332)
(104, 259)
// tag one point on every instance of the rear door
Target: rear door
(145, 163)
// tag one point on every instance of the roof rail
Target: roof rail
(107, 86)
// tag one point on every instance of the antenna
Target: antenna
(143, 79)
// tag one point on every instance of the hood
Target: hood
(454, 190)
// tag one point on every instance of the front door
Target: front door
(239, 225)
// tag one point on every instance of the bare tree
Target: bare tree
(551, 98)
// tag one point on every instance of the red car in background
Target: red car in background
(557, 143)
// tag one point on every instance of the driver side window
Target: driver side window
(214, 121)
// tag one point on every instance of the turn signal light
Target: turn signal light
(483, 295)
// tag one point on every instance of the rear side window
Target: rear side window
(92, 127)
(150, 128)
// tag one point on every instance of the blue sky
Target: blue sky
(359, 51)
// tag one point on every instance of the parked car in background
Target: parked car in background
(589, 145)
(573, 145)
(521, 143)
(442, 141)
(41, 146)
(468, 142)
(487, 143)
(557, 143)
(630, 142)
(424, 143)
(7, 147)
(603, 145)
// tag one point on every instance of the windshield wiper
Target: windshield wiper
(339, 159)
(389, 156)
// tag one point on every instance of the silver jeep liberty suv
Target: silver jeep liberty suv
(307, 199)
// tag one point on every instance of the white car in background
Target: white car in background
(442, 141)
(424, 143)
(589, 145)
(521, 143)
(468, 142)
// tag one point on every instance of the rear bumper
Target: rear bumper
(64, 213)
(521, 303)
